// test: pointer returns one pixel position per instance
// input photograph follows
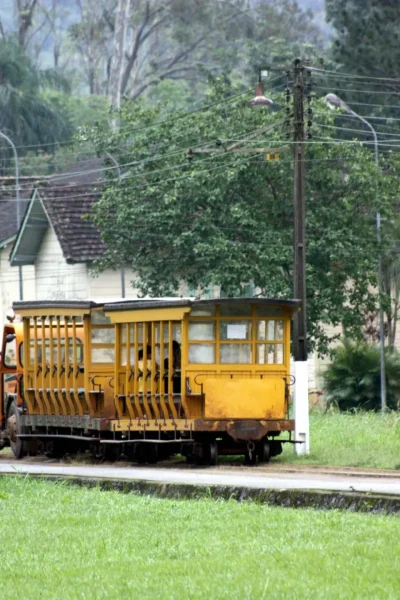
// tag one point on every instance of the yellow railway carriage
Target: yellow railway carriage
(149, 378)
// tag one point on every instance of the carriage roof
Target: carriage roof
(121, 305)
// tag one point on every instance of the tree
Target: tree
(367, 36)
(92, 38)
(50, 30)
(226, 218)
(117, 60)
(26, 10)
(391, 275)
(279, 31)
(179, 40)
(27, 117)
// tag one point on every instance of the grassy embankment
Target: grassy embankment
(65, 542)
(367, 440)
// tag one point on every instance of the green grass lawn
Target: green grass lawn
(59, 541)
(342, 439)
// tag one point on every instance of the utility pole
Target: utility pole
(301, 410)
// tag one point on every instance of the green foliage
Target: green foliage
(352, 380)
(79, 111)
(366, 43)
(25, 115)
(226, 218)
(94, 544)
(367, 36)
(290, 31)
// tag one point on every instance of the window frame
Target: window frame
(253, 341)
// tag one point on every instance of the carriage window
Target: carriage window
(103, 355)
(79, 350)
(99, 318)
(176, 333)
(270, 330)
(202, 353)
(269, 311)
(132, 333)
(236, 353)
(235, 310)
(103, 335)
(235, 330)
(269, 354)
(103, 339)
(201, 330)
(10, 351)
(203, 311)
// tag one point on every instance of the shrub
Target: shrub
(352, 380)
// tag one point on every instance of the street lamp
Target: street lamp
(334, 101)
(259, 99)
(18, 198)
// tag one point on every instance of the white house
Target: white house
(56, 246)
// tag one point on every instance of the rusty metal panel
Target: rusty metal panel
(244, 398)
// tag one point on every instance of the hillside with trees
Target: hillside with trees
(56, 53)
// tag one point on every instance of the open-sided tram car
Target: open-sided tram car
(148, 378)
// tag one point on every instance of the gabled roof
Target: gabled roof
(8, 205)
(65, 209)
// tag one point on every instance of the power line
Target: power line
(336, 141)
(333, 141)
(350, 90)
(396, 106)
(162, 122)
(349, 116)
(134, 163)
(155, 184)
(363, 131)
(350, 75)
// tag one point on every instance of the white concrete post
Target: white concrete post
(300, 408)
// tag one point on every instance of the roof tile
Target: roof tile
(67, 208)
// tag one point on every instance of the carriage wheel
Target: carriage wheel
(56, 448)
(14, 427)
(264, 451)
(211, 453)
(146, 453)
(152, 454)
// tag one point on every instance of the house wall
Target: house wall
(108, 284)
(55, 279)
(9, 283)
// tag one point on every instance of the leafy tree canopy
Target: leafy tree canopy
(367, 36)
(25, 115)
(226, 218)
